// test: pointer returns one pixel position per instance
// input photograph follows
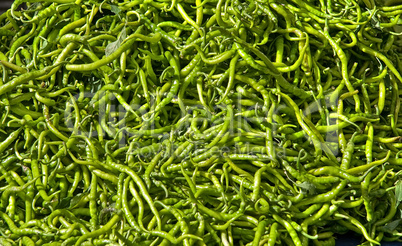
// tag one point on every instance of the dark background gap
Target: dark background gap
(5, 4)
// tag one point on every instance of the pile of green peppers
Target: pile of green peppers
(200, 122)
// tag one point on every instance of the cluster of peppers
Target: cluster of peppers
(199, 122)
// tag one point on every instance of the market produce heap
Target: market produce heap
(200, 122)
